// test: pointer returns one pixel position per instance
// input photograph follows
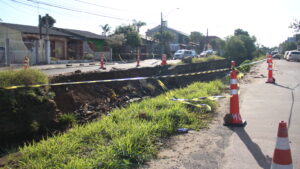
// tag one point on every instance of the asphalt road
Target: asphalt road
(263, 106)
(62, 69)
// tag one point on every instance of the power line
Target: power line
(107, 7)
(70, 9)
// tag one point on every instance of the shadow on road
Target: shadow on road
(261, 159)
(276, 84)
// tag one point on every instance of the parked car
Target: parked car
(276, 56)
(203, 54)
(180, 54)
(293, 55)
(285, 54)
(207, 53)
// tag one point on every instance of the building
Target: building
(180, 41)
(16, 41)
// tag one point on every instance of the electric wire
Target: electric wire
(70, 9)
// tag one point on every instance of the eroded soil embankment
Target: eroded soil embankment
(89, 101)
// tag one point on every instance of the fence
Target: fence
(13, 52)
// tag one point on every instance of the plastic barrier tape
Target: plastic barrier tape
(112, 80)
(122, 79)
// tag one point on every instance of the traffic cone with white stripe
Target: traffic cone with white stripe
(282, 158)
(234, 118)
(102, 61)
(163, 59)
(26, 62)
(271, 79)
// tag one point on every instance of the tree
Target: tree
(196, 37)
(239, 31)
(295, 25)
(286, 46)
(138, 25)
(105, 28)
(124, 29)
(235, 49)
(164, 39)
(248, 49)
(51, 21)
(116, 42)
(218, 45)
(132, 37)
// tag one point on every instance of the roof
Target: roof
(33, 29)
(85, 34)
(179, 32)
(71, 33)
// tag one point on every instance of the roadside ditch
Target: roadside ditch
(86, 102)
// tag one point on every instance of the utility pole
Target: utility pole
(40, 26)
(47, 46)
(161, 33)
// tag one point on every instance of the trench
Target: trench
(88, 102)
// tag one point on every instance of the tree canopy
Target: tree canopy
(132, 37)
(196, 37)
(105, 28)
(138, 24)
(51, 21)
(240, 46)
(295, 25)
(164, 37)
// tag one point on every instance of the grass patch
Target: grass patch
(206, 59)
(22, 77)
(127, 137)
(202, 59)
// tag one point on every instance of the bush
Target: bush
(24, 112)
(22, 77)
(244, 67)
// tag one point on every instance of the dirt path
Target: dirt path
(203, 149)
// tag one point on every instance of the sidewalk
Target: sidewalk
(263, 106)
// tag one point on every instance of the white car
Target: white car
(293, 55)
(180, 54)
(285, 54)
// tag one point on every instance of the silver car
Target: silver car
(180, 54)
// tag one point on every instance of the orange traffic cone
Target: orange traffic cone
(163, 60)
(282, 158)
(234, 118)
(102, 61)
(26, 62)
(271, 79)
(138, 59)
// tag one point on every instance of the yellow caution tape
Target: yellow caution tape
(112, 80)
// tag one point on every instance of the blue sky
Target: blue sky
(268, 20)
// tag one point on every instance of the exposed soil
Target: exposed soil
(90, 101)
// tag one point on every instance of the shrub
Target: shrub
(24, 111)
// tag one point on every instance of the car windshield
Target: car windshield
(179, 51)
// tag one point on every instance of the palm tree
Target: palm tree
(105, 28)
(138, 25)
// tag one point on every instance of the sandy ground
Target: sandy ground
(200, 149)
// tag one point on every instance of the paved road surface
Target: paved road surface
(60, 69)
(263, 106)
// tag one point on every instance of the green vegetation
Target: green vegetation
(22, 77)
(240, 47)
(24, 112)
(206, 59)
(202, 59)
(125, 138)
